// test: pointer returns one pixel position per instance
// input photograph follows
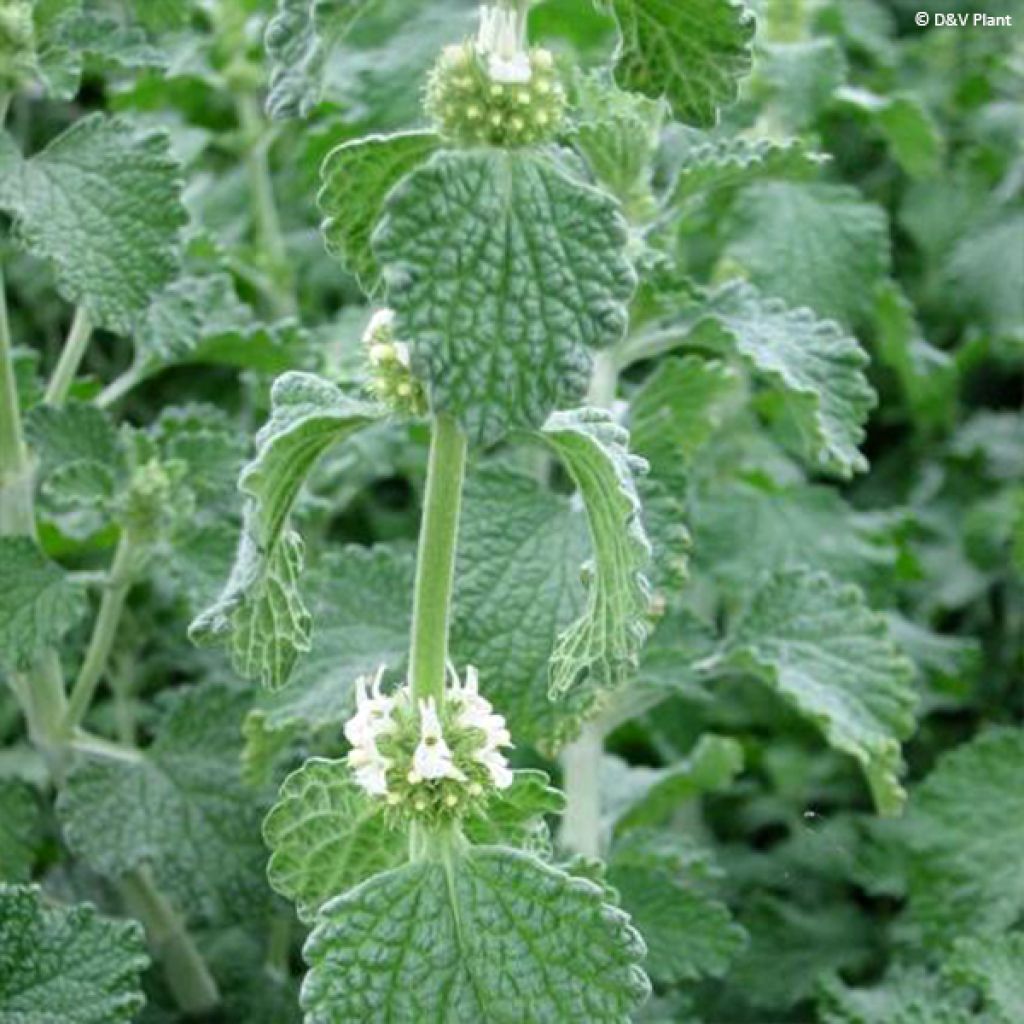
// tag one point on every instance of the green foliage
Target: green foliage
(495, 932)
(66, 963)
(482, 358)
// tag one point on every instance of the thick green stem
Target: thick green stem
(435, 564)
(17, 518)
(268, 223)
(187, 976)
(70, 359)
(105, 629)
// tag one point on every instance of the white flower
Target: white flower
(494, 761)
(371, 769)
(433, 757)
(380, 325)
(502, 39)
(373, 713)
(475, 711)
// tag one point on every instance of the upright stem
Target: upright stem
(435, 563)
(70, 359)
(104, 631)
(16, 515)
(268, 223)
(187, 975)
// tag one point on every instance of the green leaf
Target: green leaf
(927, 376)
(694, 52)
(260, 612)
(298, 41)
(689, 934)
(357, 177)
(517, 587)
(907, 995)
(819, 646)
(66, 964)
(812, 245)
(491, 934)
(618, 134)
(994, 964)
(362, 600)
(679, 407)
(637, 796)
(72, 433)
(516, 816)
(908, 128)
(816, 369)
(743, 529)
(604, 643)
(326, 836)
(179, 807)
(102, 204)
(734, 162)
(800, 78)
(20, 830)
(503, 271)
(38, 604)
(964, 831)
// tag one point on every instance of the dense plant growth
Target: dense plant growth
(510, 514)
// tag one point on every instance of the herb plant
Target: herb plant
(509, 513)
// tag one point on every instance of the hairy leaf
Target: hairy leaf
(906, 996)
(326, 836)
(357, 177)
(260, 612)
(179, 807)
(692, 51)
(812, 245)
(965, 834)
(605, 642)
(819, 646)
(102, 204)
(20, 830)
(994, 964)
(735, 162)
(816, 368)
(38, 604)
(503, 271)
(66, 964)
(490, 934)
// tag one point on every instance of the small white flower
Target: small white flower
(475, 711)
(433, 757)
(371, 769)
(401, 353)
(373, 712)
(502, 39)
(494, 761)
(380, 325)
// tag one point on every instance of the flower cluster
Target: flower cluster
(391, 378)
(428, 760)
(494, 90)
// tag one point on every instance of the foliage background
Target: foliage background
(806, 905)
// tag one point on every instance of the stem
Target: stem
(435, 563)
(120, 386)
(17, 518)
(104, 631)
(268, 223)
(70, 359)
(581, 767)
(186, 973)
(45, 706)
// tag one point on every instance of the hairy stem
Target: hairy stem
(581, 768)
(70, 359)
(119, 387)
(17, 518)
(435, 563)
(268, 223)
(104, 630)
(186, 973)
